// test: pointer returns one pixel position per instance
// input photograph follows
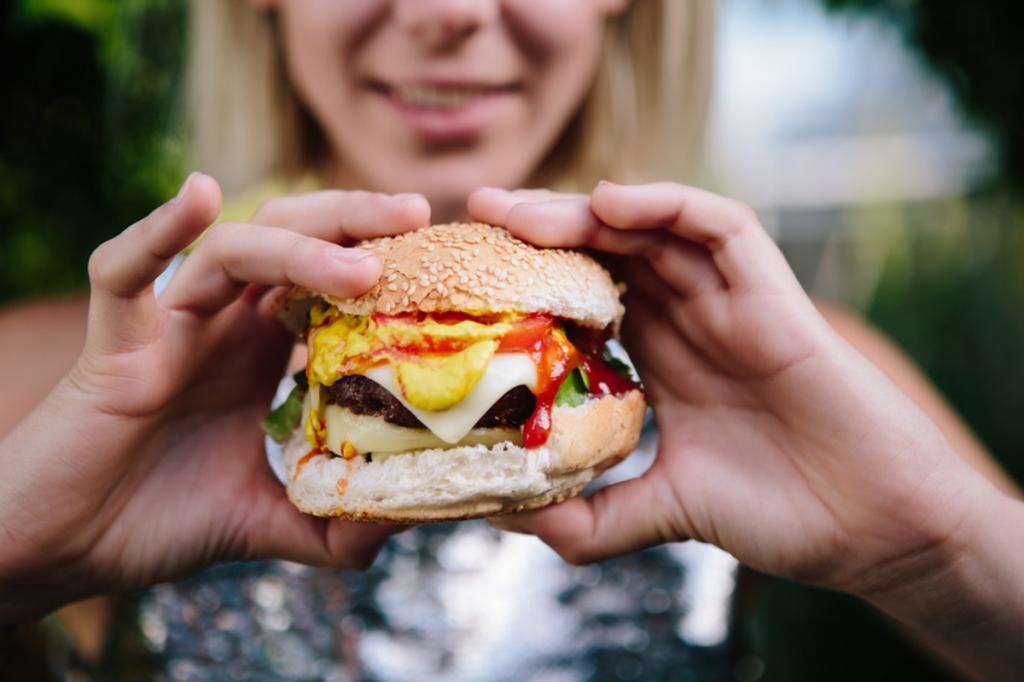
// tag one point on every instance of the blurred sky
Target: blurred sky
(813, 109)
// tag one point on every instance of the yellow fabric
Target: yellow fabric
(241, 206)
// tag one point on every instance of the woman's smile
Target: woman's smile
(441, 97)
(445, 110)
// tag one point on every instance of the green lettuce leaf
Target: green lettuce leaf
(280, 423)
(618, 366)
(574, 390)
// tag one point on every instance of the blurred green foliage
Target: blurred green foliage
(89, 132)
(96, 16)
(810, 635)
(952, 296)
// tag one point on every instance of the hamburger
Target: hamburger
(473, 379)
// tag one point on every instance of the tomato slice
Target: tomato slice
(526, 334)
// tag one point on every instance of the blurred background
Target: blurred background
(881, 140)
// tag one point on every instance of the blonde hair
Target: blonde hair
(643, 118)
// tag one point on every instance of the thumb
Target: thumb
(622, 518)
(285, 533)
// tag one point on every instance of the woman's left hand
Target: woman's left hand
(778, 441)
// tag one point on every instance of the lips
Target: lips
(448, 111)
(446, 98)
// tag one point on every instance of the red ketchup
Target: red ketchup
(554, 357)
(603, 379)
(305, 458)
(554, 361)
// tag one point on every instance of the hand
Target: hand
(778, 441)
(147, 462)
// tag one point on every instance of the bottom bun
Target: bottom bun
(470, 481)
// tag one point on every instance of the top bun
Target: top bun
(473, 267)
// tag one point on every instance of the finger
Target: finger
(232, 255)
(685, 267)
(699, 321)
(550, 219)
(285, 533)
(554, 222)
(683, 373)
(343, 217)
(621, 518)
(491, 204)
(576, 223)
(127, 264)
(742, 251)
(566, 221)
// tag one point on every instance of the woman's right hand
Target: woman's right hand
(146, 462)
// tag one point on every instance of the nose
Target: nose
(441, 24)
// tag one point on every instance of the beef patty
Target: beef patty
(365, 396)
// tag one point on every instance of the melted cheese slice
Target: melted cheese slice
(504, 372)
(373, 434)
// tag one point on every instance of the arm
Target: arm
(981, 578)
(968, 605)
(902, 371)
(39, 342)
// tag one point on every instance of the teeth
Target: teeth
(437, 98)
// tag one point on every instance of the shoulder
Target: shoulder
(39, 342)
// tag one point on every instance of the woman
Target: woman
(441, 98)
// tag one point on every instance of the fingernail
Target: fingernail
(350, 256)
(184, 188)
(606, 183)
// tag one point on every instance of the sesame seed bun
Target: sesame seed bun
(473, 481)
(474, 267)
